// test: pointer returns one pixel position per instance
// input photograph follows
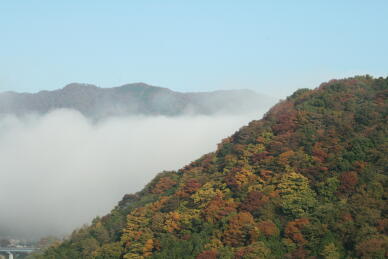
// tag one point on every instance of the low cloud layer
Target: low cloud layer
(58, 171)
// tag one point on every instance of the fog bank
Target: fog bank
(58, 171)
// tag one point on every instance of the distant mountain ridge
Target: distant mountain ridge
(131, 99)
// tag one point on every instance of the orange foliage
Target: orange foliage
(383, 225)
(238, 177)
(348, 181)
(239, 149)
(172, 222)
(347, 217)
(242, 229)
(286, 116)
(147, 249)
(266, 174)
(283, 157)
(254, 201)
(163, 185)
(319, 153)
(373, 248)
(257, 157)
(158, 204)
(299, 253)
(208, 254)
(268, 228)
(191, 186)
(293, 230)
(217, 209)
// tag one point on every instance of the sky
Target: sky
(272, 47)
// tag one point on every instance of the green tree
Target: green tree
(330, 251)
(297, 196)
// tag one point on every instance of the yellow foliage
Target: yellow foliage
(147, 249)
(159, 203)
(215, 243)
(244, 176)
(255, 187)
(205, 194)
(172, 221)
(187, 215)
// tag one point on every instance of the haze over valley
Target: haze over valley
(61, 167)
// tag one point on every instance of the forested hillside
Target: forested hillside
(309, 180)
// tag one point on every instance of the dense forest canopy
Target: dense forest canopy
(309, 180)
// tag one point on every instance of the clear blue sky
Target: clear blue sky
(273, 47)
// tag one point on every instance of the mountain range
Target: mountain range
(131, 99)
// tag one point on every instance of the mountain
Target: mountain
(131, 99)
(309, 180)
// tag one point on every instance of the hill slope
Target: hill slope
(309, 180)
(131, 99)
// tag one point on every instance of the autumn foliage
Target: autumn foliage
(308, 180)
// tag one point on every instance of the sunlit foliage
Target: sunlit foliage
(309, 180)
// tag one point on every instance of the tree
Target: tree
(297, 197)
(137, 235)
(208, 254)
(328, 188)
(293, 230)
(348, 181)
(110, 250)
(164, 184)
(256, 250)
(217, 209)
(242, 230)
(375, 247)
(254, 201)
(330, 251)
(268, 228)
